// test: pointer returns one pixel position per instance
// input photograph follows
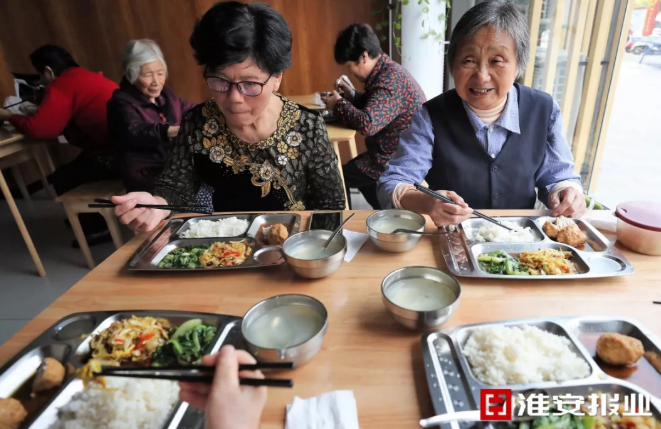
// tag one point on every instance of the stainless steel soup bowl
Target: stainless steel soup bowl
(420, 320)
(297, 353)
(395, 243)
(315, 268)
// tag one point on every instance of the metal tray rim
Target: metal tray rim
(46, 338)
(537, 228)
(177, 234)
(476, 272)
(589, 226)
(597, 377)
(136, 263)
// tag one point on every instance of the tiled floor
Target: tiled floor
(23, 294)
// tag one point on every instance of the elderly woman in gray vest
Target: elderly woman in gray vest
(490, 142)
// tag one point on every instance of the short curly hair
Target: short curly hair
(231, 32)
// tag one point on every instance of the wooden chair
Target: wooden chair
(13, 161)
(76, 201)
(15, 150)
(340, 134)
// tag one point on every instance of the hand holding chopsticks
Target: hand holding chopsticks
(449, 201)
(101, 203)
(133, 210)
(201, 374)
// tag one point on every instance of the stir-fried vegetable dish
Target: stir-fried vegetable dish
(130, 340)
(147, 341)
(216, 255)
(542, 262)
(548, 262)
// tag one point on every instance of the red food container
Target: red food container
(639, 226)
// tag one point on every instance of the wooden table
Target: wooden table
(15, 149)
(365, 350)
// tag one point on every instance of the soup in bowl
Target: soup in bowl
(305, 253)
(382, 225)
(420, 298)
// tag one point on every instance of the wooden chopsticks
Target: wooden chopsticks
(201, 374)
(101, 203)
(449, 201)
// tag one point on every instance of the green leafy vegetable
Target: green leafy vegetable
(589, 422)
(183, 257)
(185, 328)
(500, 262)
(186, 345)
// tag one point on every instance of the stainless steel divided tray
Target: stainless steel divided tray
(68, 342)
(453, 387)
(596, 258)
(171, 236)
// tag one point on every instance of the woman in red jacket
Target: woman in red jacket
(74, 105)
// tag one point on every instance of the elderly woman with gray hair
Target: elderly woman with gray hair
(490, 143)
(143, 115)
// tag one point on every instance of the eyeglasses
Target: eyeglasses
(247, 88)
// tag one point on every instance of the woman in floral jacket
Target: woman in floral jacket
(382, 112)
(248, 149)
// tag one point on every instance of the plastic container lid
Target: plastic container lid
(645, 215)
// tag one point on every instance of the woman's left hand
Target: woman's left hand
(332, 100)
(569, 202)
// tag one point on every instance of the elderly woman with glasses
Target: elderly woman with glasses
(143, 116)
(490, 143)
(249, 148)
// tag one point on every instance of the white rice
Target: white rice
(228, 227)
(502, 355)
(127, 403)
(489, 231)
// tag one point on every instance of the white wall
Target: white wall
(423, 58)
